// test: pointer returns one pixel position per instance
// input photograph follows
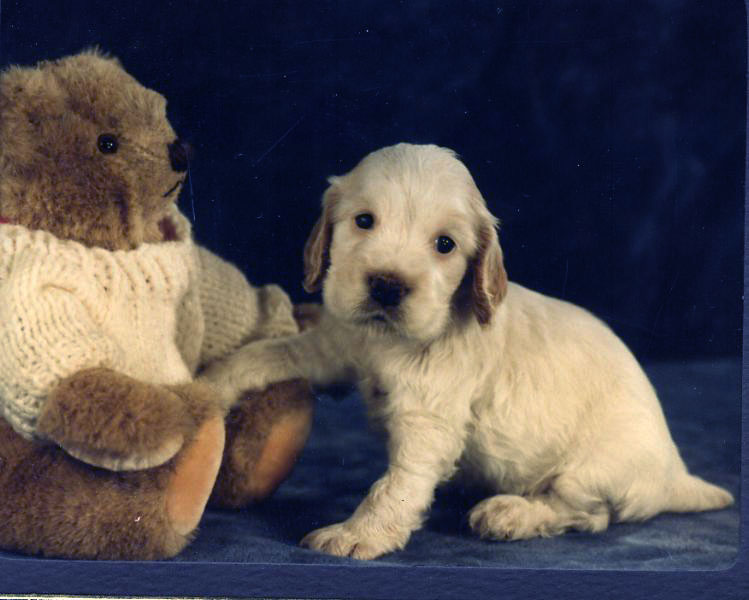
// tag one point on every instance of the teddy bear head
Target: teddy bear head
(87, 153)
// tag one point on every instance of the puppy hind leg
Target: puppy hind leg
(509, 517)
(588, 511)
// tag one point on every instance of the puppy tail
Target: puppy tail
(692, 494)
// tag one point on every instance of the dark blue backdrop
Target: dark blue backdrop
(607, 136)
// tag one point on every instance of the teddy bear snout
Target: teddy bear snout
(180, 153)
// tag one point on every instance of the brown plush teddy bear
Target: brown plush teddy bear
(108, 447)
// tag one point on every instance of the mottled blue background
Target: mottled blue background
(607, 136)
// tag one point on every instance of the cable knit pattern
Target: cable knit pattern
(154, 313)
(236, 313)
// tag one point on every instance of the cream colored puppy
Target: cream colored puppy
(464, 371)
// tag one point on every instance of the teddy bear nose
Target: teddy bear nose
(180, 153)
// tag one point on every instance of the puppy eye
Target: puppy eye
(444, 244)
(364, 220)
(107, 143)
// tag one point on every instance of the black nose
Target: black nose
(180, 153)
(387, 289)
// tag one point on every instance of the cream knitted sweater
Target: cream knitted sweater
(156, 313)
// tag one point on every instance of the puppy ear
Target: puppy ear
(489, 275)
(317, 248)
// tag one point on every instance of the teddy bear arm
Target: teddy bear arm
(235, 312)
(279, 317)
(110, 420)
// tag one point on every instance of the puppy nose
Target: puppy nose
(180, 153)
(387, 289)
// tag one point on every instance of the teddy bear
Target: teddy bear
(110, 446)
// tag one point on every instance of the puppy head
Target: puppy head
(405, 244)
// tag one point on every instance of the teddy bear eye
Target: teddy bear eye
(364, 220)
(107, 143)
(444, 244)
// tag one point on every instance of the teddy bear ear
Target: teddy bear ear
(22, 87)
(97, 52)
(14, 82)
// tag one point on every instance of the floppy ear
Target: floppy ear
(317, 248)
(489, 275)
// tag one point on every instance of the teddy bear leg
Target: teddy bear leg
(194, 476)
(57, 506)
(264, 435)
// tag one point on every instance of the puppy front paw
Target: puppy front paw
(343, 539)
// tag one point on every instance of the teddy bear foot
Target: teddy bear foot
(194, 476)
(285, 440)
(264, 435)
(101, 514)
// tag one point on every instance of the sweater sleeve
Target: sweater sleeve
(235, 312)
(47, 333)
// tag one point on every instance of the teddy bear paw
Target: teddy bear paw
(134, 461)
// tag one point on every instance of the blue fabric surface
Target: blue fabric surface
(342, 459)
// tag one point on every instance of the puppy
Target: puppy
(532, 396)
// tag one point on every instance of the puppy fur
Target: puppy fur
(466, 372)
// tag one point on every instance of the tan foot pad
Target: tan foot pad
(194, 477)
(285, 440)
